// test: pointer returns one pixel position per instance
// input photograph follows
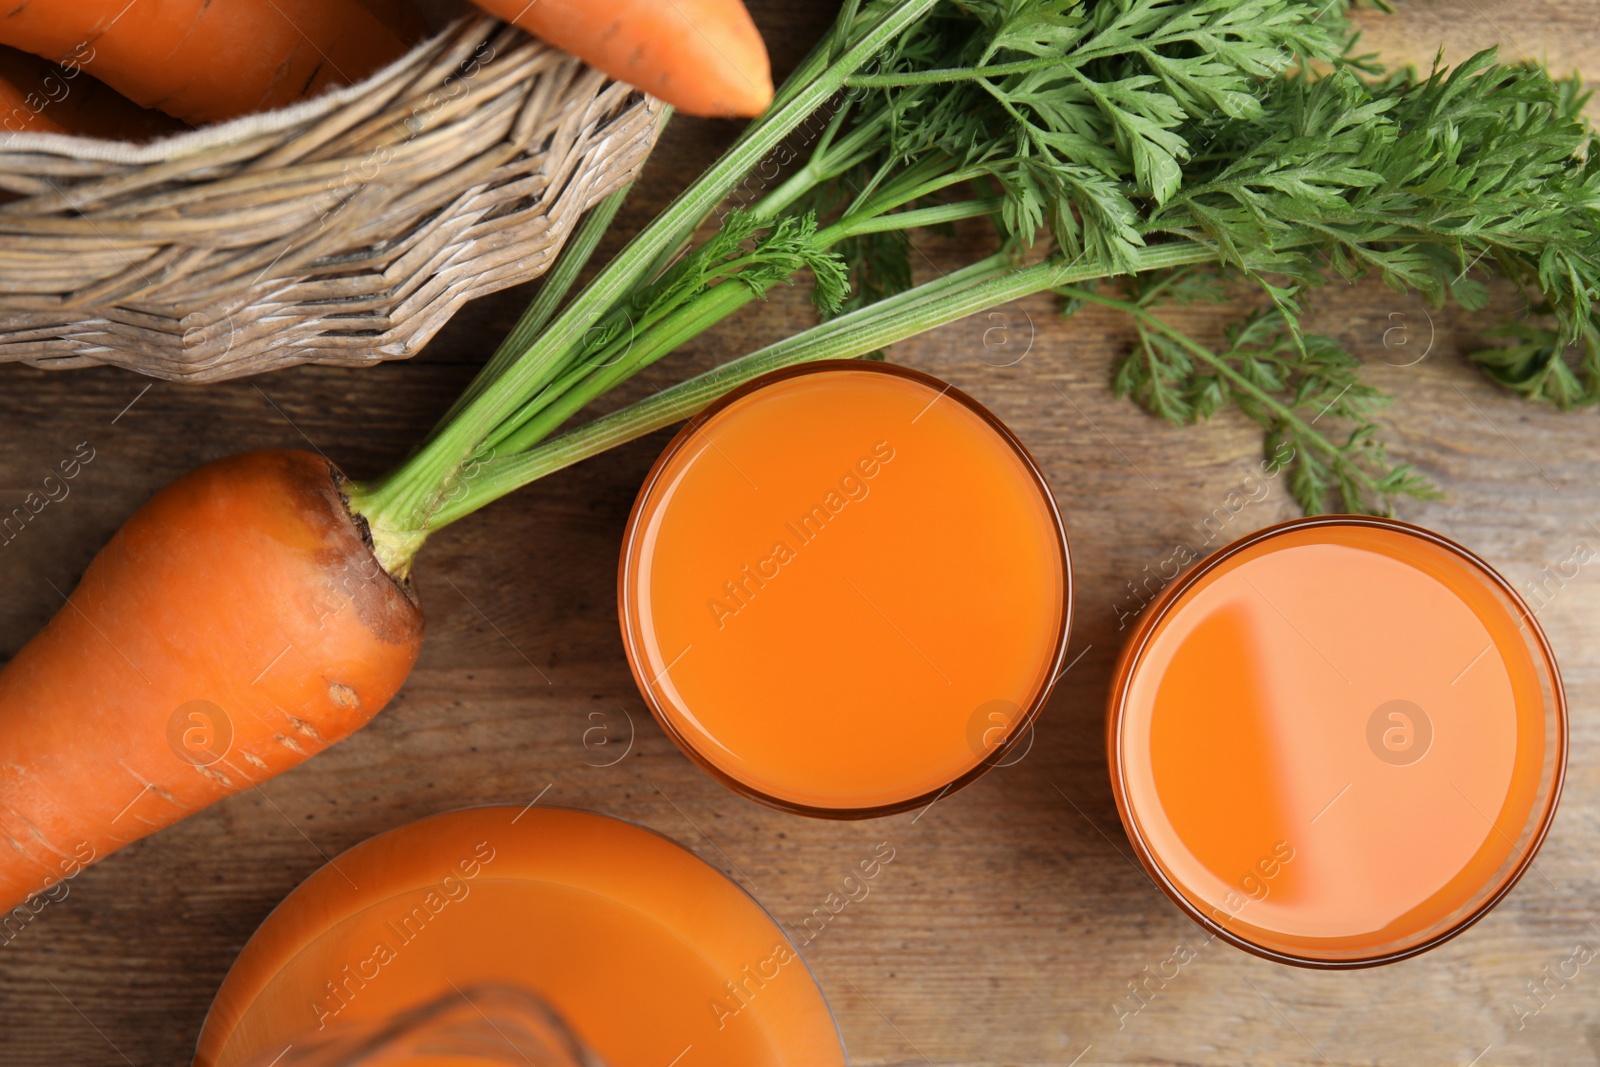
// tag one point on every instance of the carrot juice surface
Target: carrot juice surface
(639, 946)
(845, 589)
(1339, 742)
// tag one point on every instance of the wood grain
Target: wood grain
(1012, 919)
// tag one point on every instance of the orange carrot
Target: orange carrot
(704, 57)
(207, 60)
(401, 16)
(28, 86)
(42, 97)
(236, 624)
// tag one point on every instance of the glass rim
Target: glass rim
(1133, 653)
(1018, 730)
(833, 1016)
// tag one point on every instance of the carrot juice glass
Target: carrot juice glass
(638, 949)
(845, 589)
(1337, 742)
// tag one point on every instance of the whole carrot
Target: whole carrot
(236, 624)
(207, 60)
(704, 57)
(37, 96)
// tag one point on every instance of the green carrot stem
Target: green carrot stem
(400, 506)
(828, 161)
(937, 215)
(571, 260)
(953, 74)
(567, 395)
(983, 285)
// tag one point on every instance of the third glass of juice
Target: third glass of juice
(1337, 742)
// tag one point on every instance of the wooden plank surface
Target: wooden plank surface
(1012, 919)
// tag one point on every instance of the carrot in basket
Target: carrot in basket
(26, 92)
(207, 60)
(401, 16)
(40, 97)
(704, 57)
(236, 625)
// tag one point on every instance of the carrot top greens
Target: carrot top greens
(1155, 151)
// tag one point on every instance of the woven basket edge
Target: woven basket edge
(233, 131)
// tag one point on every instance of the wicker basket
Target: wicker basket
(344, 230)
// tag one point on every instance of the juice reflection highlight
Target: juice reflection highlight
(1340, 742)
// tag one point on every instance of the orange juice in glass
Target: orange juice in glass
(845, 589)
(636, 944)
(1337, 742)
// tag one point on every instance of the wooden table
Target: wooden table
(1012, 920)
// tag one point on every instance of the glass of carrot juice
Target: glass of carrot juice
(1337, 742)
(845, 590)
